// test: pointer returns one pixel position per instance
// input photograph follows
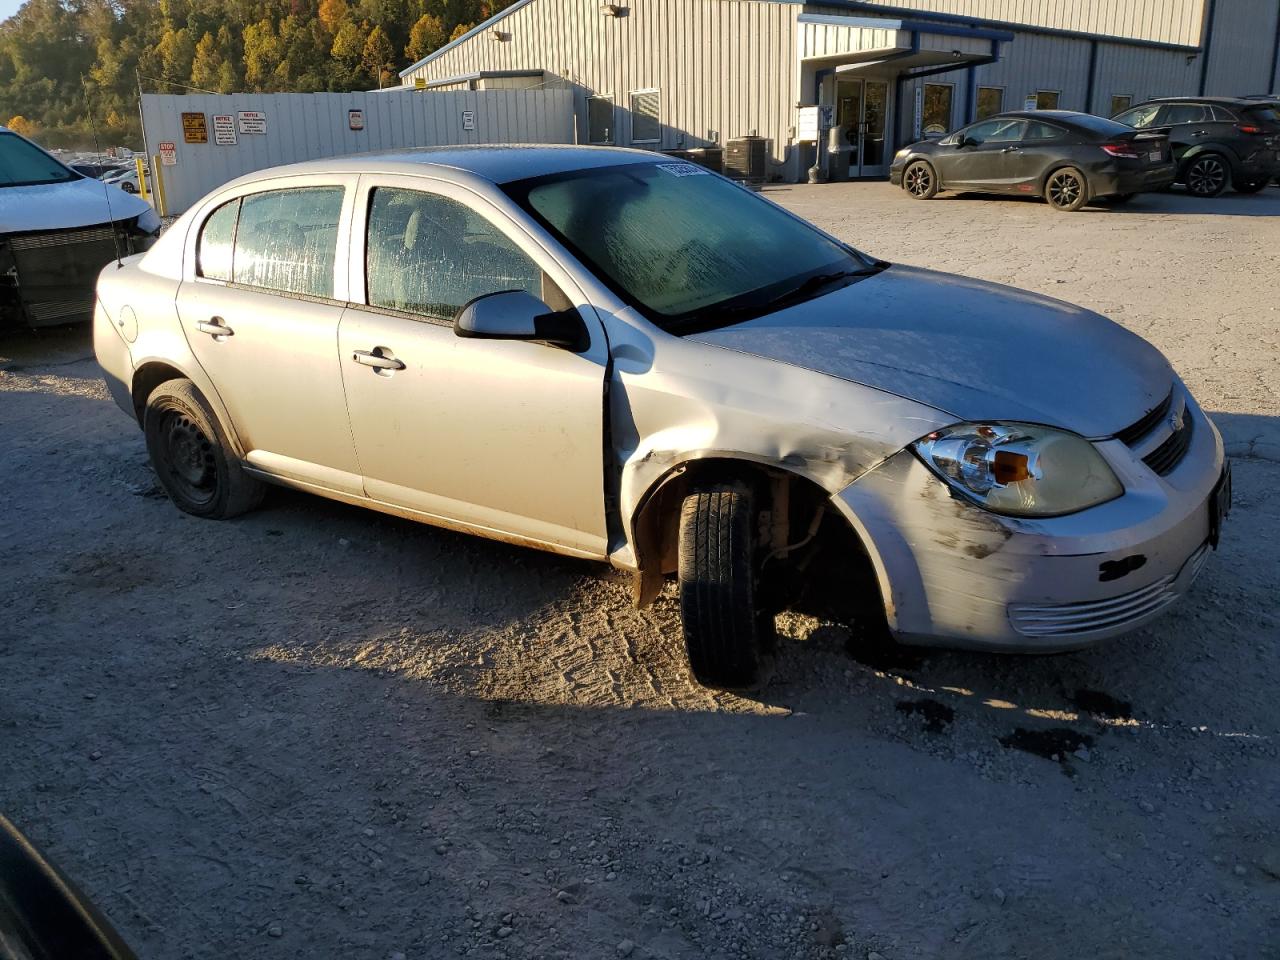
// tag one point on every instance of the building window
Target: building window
(990, 102)
(600, 119)
(645, 127)
(1046, 99)
(937, 109)
(1119, 104)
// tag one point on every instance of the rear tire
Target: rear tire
(1066, 190)
(1206, 175)
(725, 629)
(191, 456)
(920, 181)
(1250, 186)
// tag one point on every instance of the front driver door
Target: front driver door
(498, 436)
(979, 163)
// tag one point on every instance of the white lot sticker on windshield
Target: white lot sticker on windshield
(684, 170)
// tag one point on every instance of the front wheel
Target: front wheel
(191, 455)
(128, 187)
(1250, 185)
(1066, 190)
(920, 181)
(726, 631)
(1207, 175)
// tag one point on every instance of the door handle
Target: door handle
(1200, 133)
(215, 327)
(378, 358)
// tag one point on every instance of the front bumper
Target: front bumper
(953, 574)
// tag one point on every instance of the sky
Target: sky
(8, 8)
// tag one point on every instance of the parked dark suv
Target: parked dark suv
(1216, 141)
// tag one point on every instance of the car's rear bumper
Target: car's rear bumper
(1109, 182)
(953, 574)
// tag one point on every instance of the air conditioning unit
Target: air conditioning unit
(747, 158)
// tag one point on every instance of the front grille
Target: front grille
(58, 238)
(1170, 453)
(63, 311)
(1092, 616)
(1132, 434)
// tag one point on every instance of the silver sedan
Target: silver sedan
(615, 355)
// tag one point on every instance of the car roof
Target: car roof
(497, 163)
(1225, 101)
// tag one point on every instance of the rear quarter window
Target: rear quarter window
(213, 250)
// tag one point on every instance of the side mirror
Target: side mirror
(963, 141)
(517, 315)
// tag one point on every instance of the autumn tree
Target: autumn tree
(378, 56)
(21, 125)
(426, 36)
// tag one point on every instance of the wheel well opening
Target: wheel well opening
(813, 561)
(145, 379)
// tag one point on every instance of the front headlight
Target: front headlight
(1020, 469)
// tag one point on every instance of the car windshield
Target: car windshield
(23, 164)
(689, 249)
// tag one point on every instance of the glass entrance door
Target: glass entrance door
(858, 146)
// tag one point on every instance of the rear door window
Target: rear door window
(1038, 130)
(287, 240)
(429, 255)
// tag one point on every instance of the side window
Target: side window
(990, 101)
(1036, 130)
(213, 249)
(1140, 117)
(1176, 113)
(1222, 115)
(645, 126)
(429, 255)
(995, 131)
(287, 240)
(600, 120)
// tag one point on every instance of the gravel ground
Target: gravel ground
(318, 731)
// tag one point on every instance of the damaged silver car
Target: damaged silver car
(613, 355)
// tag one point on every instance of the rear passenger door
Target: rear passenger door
(499, 436)
(263, 291)
(1190, 125)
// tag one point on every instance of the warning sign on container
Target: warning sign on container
(355, 119)
(168, 153)
(224, 130)
(252, 121)
(194, 129)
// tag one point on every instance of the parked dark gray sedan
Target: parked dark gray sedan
(1068, 158)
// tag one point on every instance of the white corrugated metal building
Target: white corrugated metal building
(685, 74)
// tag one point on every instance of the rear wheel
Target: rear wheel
(726, 630)
(128, 187)
(191, 456)
(1066, 190)
(920, 181)
(1207, 175)
(1252, 185)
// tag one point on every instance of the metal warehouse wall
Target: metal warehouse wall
(1242, 56)
(723, 68)
(1159, 21)
(305, 126)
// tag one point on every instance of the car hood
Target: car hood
(59, 206)
(977, 351)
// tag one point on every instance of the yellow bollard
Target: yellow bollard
(143, 190)
(156, 172)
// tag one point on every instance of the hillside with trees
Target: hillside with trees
(64, 63)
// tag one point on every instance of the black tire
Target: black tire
(1255, 185)
(191, 456)
(920, 181)
(726, 630)
(1206, 175)
(128, 187)
(1066, 190)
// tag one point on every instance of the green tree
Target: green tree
(426, 36)
(378, 56)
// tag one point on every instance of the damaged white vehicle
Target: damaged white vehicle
(612, 355)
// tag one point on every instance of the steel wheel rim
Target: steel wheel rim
(918, 181)
(1064, 189)
(1206, 176)
(189, 462)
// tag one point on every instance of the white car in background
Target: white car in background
(58, 229)
(126, 178)
(615, 356)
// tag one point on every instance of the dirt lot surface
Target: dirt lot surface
(321, 732)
